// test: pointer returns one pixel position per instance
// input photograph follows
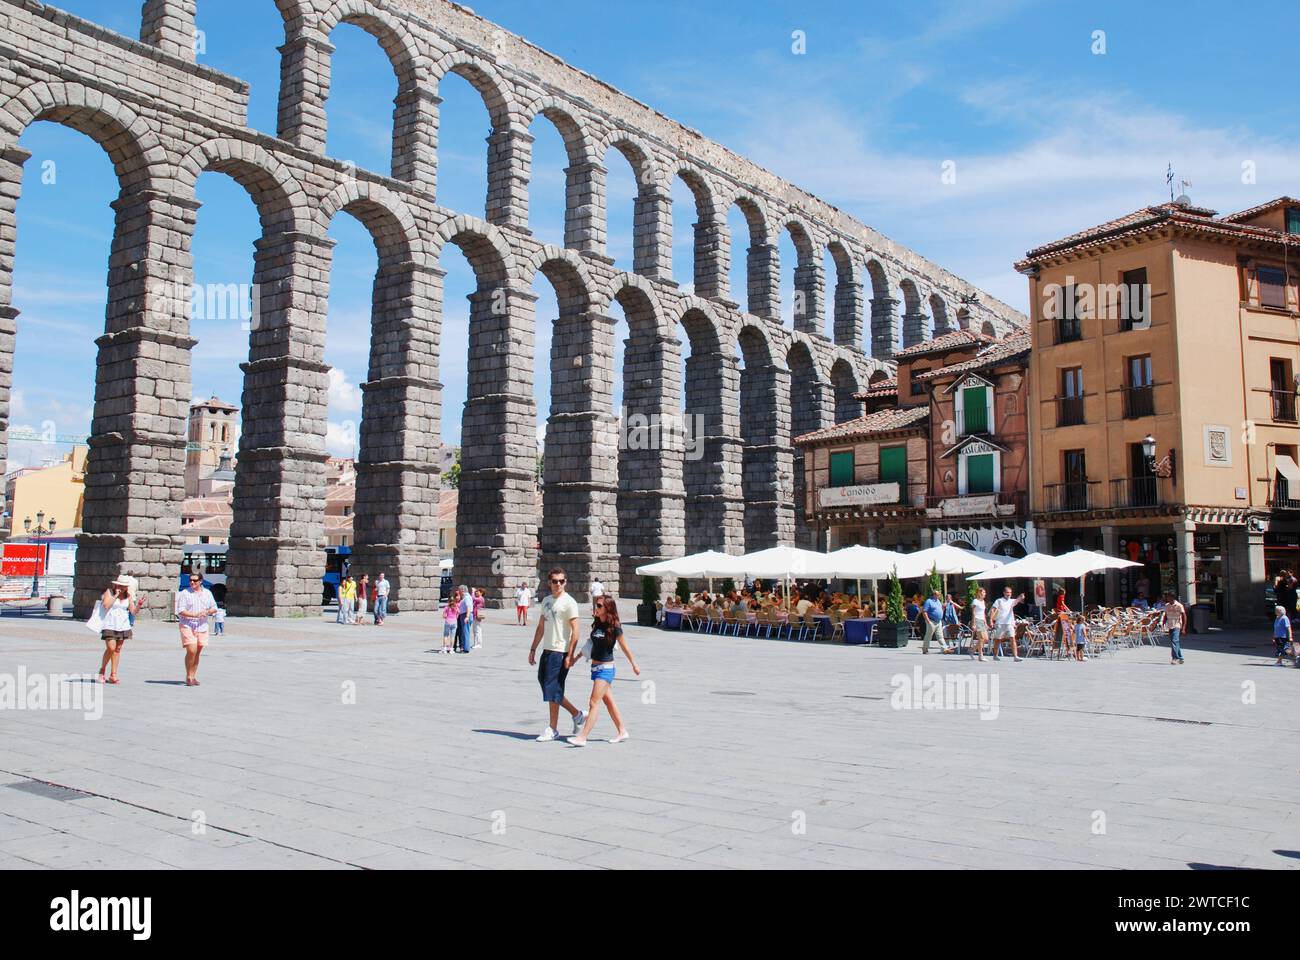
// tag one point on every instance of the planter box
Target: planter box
(893, 635)
(645, 614)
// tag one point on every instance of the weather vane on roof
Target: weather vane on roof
(1169, 179)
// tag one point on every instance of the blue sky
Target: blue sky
(1047, 135)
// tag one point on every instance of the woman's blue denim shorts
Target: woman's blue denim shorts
(603, 671)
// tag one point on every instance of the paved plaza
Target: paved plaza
(316, 745)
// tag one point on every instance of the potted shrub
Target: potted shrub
(895, 631)
(645, 610)
(683, 591)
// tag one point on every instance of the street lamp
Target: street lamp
(40, 531)
(1164, 467)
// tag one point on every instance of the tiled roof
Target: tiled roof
(882, 421)
(1009, 348)
(952, 340)
(1191, 219)
(341, 492)
(883, 388)
(206, 507)
(1262, 208)
(215, 402)
(217, 523)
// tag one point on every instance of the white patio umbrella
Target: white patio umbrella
(947, 559)
(860, 563)
(708, 564)
(1076, 563)
(784, 563)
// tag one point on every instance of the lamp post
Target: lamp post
(41, 530)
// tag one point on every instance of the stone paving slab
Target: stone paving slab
(319, 746)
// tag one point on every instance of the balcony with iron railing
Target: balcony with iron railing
(1135, 493)
(1284, 405)
(1070, 497)
(1139, 401)
(1069, 411)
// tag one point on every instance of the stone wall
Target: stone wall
(610, 504)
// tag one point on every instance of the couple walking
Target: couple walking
(558, 634)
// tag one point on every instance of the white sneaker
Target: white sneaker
(579, 720)
(547, 735)
(619, 739)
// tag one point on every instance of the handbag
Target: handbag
(96, 622)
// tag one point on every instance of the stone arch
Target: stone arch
(488, 253)
(808, 412)
(847, 298)
(845, 387)
(762, 294)
(583, 175)
(712, 449)
(384, 214)
(988, 329)
(497, 95)
(704, 329)
(279, 198)
(396, 41)
(878, 376)
(765, 434)
(709, 245)
(916, 322)
(880, 289)
(137, 155)
(939, 313)
(650, 525)
(652, 254)
(567, 273)
(963, 318)
(808, 279)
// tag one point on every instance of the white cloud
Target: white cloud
(344, 397)
(341, 439)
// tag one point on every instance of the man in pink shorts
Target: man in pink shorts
(193, 607)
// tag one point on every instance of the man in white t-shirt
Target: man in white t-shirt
(1004, 621)
(559, 631)
(523, 598)
(597, 590)
(194, 607)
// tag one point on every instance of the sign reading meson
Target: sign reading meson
(861, 495)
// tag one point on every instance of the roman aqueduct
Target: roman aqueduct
(609, 506)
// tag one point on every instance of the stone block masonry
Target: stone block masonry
(610, 502)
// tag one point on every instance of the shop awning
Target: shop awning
(1288, 468)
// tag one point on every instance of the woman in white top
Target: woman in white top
(117, 607)
(979, 623)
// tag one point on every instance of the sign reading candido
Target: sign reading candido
(860, 495)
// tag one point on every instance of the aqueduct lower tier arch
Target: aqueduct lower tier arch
(614, 497)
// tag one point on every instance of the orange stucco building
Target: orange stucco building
(1163, 412)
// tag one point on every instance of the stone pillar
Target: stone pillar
(395, 520)
(135, 471)
(1110, 579)
(510, 164)
(763, 266)
(712, 258)
(415, 137)
(651, 498)
(812, 409)
(277, 536)
(580, 486)
(809, 297)
(885, 327)
(304, 88)
(653, 235)
(169, 26)
(584, 211)
(496, 517)
(916, 328)
(1246, 579)
(766, 437)
(848, 314)
(11, 185)
(713, 454)
(1185, 544)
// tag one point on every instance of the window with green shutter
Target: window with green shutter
(842, 469)
(974, 407)
(893, 466)
(979, 473)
